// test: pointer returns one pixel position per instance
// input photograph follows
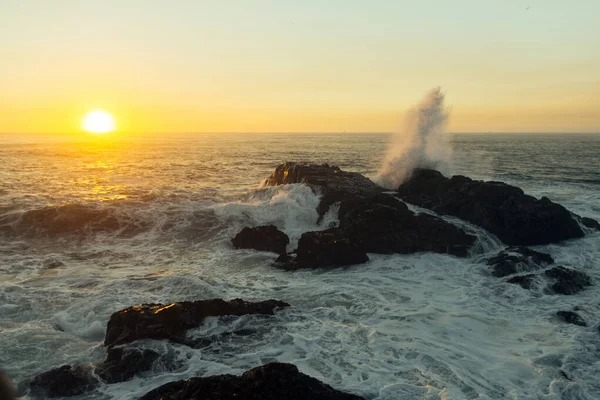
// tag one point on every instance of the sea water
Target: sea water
(90, 227)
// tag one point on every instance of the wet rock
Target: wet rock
(525, 281)
(123, 364)
(65, 381)
(517, 259)
(262, 238)
(504, 210)
(334, 184)
(171, 321)
(330, 248)
(568, 281)
(383, 224)
(590, 223)
(571, 317)
(273, 381)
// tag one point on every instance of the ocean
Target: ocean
(90, 227)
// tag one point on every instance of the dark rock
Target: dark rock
(334, 184)
(171, 321)
(123, 364)
(262, 238)
(504, 210)
(64, 381)
(72, 380)
(330, 248)
(525, 281)
(568, 281)
(383, 224)
(590, 223)
(274, 381)
(571, 317)
(517, 259)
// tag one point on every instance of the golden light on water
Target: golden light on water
(98, 121)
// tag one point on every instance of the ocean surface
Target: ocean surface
(90, 227)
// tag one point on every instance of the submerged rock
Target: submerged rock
(568, 281)
(171, 321)
(383, 224)
(273, 381)
(571, 317)
(504, 210)
(330, 248)
(123, 364)
(512, 260)
(334, 184)
(65, 381)
(590, 223)
(262, 238)
(72, 380)
(525, 281)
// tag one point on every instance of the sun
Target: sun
(98, 121)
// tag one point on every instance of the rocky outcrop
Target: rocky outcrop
(262, 238)
(334, 184)
(383, 224)
(571, 317)
(568, 281)
(72, 380)
(525, 281)
(273, 381)
(171, 321)
(330, 248)
(65, 381)
(504, 210)
(513, 260)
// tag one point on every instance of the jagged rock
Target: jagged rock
(504, 210)
(517, 259)
(273, 381)
(590, 223)
(330, 248)
(525, 281)
(568, 281)
(72, 380)
(123, 364)
(65, 381)
(334, 184)
(262, 238)
(171, 321)
(571, 317)
(383, 224)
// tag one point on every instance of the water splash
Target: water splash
(421, 144)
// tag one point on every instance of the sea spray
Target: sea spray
(421, 144)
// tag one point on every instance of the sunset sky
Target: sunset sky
(298, 66)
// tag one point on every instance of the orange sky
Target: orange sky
(201, 66)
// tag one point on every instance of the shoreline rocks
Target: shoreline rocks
(262, 238)
(273, 381)
(171, 321)
(504, 210)
(331, 182)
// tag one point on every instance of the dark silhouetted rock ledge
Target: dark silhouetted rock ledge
(568, 281)
(262, 238)
(571, 317)
(171, 321)
(504, 210)
(330, 248)
(383, 224)
(273, 381)
(513, 260)
(334, 184)
(72, 380)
